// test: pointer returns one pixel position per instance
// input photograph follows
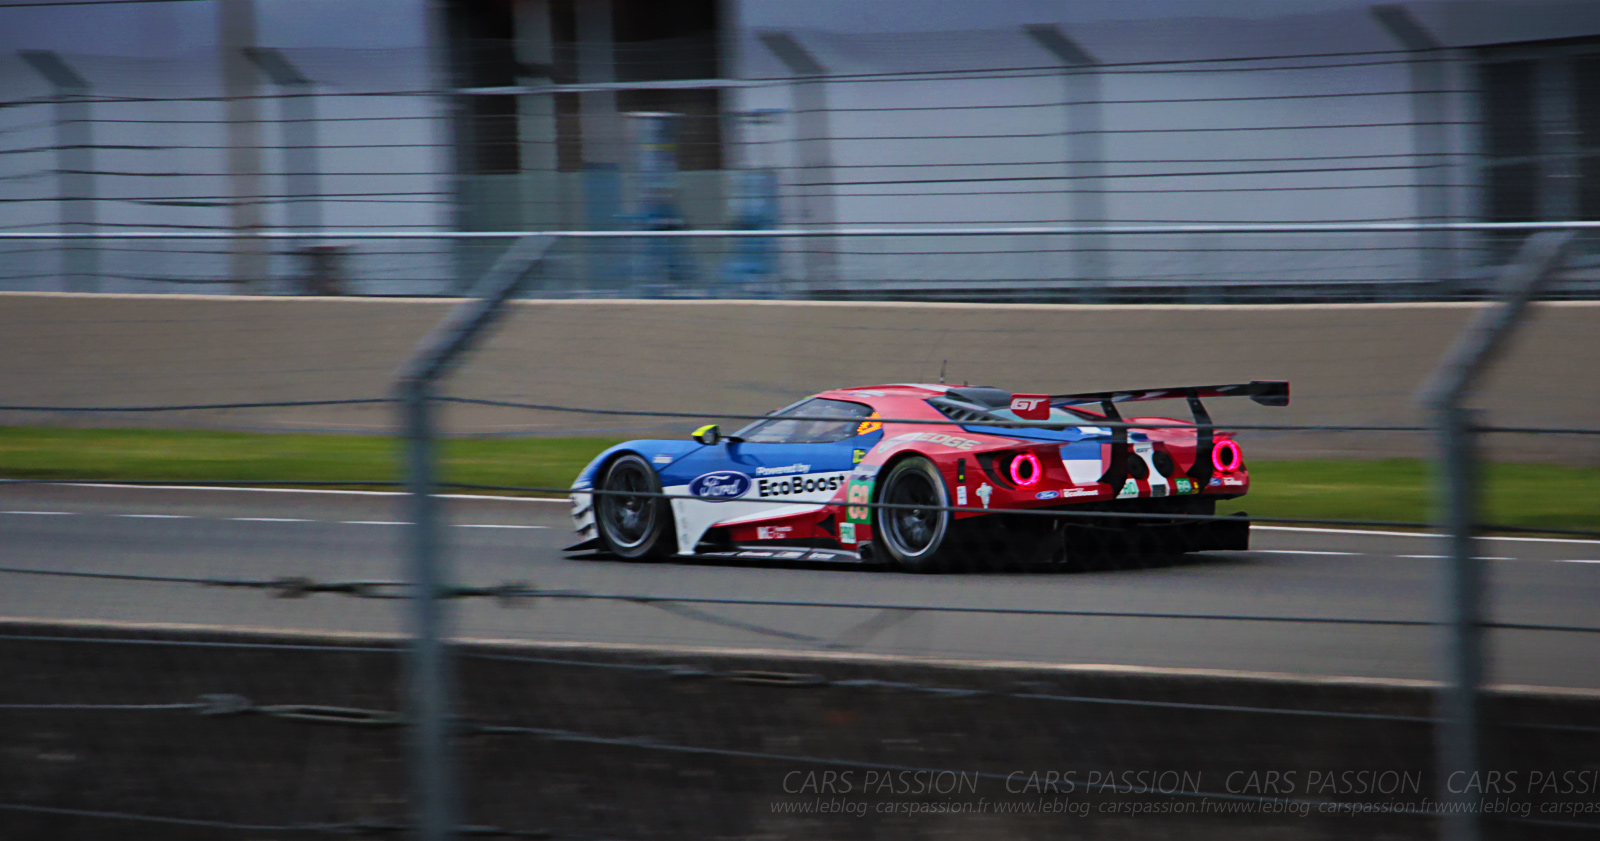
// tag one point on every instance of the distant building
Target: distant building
(910, 112)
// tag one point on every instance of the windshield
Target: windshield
(852, 421)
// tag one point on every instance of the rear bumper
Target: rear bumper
(1229, 534)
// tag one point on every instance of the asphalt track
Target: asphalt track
(360, 536)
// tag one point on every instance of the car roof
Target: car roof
(889, 389)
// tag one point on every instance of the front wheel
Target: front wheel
(914, 538)
(633, 527)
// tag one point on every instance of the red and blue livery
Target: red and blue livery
(923, 477)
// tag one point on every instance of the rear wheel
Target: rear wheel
(633, 527)
(914, 538)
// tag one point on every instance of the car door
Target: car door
(771, 469)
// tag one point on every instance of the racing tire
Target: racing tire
(635, 528)
(913, 539)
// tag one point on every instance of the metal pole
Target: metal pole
(80, 263)
(427, 672)
(1427, 69)
(1085, 153)
(428, 676)
(1457, 748)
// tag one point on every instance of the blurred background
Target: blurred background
(258, 397)
(404, 115)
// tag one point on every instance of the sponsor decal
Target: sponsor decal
(783, 471)
(1072, 492)
(961, 495)
(954, 442)
(1130, 488)
(1233, 480)
(984, 492)
(662, 458)
(857, 456)
(791, 555)
(810, 483)
(847, 532)
(870, 425)
(1031, 406)
(1215, 482)
(1185, 486)
(720, 485)
(1158, 490)
(1047, 495)
(858, 492)
(773, 532)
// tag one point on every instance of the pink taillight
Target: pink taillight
(1226, 456)
(1034, 471)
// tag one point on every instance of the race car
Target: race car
(921, 476)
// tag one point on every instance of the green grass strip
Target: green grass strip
(189, 456)
(1514, 494)
(1526, 495)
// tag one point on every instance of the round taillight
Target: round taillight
(1226, 456)
(1025, 470)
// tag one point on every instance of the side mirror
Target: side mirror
(708, 435)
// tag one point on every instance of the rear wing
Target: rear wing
(1265, 392)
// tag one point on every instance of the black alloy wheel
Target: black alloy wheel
(633, 527)
(914, 537)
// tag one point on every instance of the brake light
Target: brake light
(1025, 470)
(1226, 456)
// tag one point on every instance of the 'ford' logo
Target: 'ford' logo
(1047, 495)
(720, 486)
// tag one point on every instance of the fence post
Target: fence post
(428, 676)
(1461, 652)
(80, 263)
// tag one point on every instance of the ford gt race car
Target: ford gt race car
(920, 476)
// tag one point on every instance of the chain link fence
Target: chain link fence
(294, 651)
(817, 131)
(369, 661)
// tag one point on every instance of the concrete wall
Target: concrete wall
(1349, 364)
(749, 727)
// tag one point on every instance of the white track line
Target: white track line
(1443, 557)
(563, 501)
(286, 520)
(1301, 552)
(1254, 526)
